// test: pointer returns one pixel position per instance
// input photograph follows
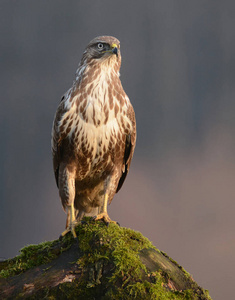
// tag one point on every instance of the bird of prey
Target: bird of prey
(93, 134)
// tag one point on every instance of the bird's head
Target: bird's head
(103, 49)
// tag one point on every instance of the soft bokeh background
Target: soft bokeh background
(178, 70)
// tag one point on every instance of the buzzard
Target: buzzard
(93, 134)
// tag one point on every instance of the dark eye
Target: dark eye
(100, 46)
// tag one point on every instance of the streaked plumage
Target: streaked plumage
(93, 134)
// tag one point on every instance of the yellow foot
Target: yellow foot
(71, 229)
(105, 217)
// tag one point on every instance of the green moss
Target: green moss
(110, 264)
(128, 277)
(34, 255)
(30, 256)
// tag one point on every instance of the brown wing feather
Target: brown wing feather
(129, 147)
(57, 139)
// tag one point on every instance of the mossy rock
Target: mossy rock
(106, 262)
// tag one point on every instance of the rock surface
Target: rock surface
(106, 262)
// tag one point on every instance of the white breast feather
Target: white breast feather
(96, 101)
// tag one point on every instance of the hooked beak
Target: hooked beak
(114, 49)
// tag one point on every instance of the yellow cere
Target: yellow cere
(114, 46)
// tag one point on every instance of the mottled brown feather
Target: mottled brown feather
(129, 148)
(96, 160)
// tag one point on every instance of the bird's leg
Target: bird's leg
(103, 214)
(71, 221)
(67, 194)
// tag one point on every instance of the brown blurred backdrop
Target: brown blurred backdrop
(178, 69)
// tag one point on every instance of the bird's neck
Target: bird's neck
(96, 68)
(97, 87)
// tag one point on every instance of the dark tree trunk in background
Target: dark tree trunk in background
(106, 262)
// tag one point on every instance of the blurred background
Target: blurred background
(178, 69)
